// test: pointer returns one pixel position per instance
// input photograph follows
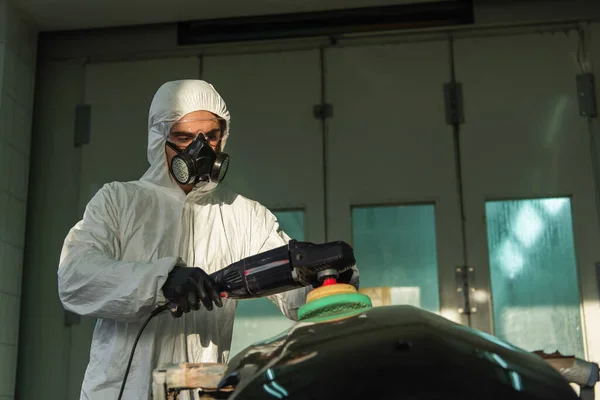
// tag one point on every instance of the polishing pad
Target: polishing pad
(333, 301)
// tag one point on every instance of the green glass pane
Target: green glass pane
(259, 319)
(395, 246)
(292, 222)
(535, 292)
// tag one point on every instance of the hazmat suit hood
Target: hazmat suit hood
(172, 101)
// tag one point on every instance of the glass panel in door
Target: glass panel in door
(395, 248)
(535, 289)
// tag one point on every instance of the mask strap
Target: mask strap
(173, 146)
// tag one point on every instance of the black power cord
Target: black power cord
(153, 314)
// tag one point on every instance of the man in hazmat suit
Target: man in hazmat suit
(133, 249)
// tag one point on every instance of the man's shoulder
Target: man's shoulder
(120, 189)
(226, 193)
(239, 200)
(123, 185)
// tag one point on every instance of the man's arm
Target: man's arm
(91, 279)
(289, 302)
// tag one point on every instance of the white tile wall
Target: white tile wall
(18, 41)
(6, 112)
(4, 214)
(2, 20)
(11, 258)
(21, 122)
(19, 173)
(16, 221)
(2, 51)
(8, 357)
(10, 70)
(9, 314)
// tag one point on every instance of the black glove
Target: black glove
(188, 286)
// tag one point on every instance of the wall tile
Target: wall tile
(26, 81)
(10, 72)
(19, 174)
(4, 215)
(25, 48)
(6, 116)
(4, 267)
(16, 210)
(11, 268)
(21, 128)
(18, 47)
(21, 34)
(2, 46)
(21, 89)
(2, 21)
(7, 369)
(5, 161)
(28, 46)
(16, 254)
(9, 318)
(13, 24)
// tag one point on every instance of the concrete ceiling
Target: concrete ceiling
(54, 15)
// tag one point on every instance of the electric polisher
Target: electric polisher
(295, 265)
(298, 264)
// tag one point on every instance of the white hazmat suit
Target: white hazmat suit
(116, 259)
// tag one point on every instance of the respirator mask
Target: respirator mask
(198, 162)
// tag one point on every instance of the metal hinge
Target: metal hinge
(465, 281)
(586, 95)
(454, 103)
(83, 119)
(323, 111)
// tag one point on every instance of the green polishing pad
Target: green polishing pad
(336, 305)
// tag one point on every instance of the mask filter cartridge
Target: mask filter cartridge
(198, 162)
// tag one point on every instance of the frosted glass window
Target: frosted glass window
(395, 247)
(535, 291)
(259, 319)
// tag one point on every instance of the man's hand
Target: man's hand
(188, 287)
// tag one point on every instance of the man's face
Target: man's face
(184, 132)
